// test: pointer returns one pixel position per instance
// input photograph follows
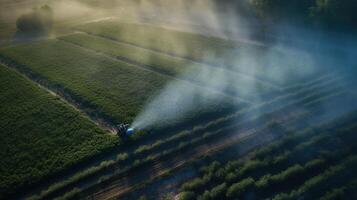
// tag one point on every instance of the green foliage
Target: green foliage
(215, 52)
(41, 135)
(37, 23)
(170, 41)
(102, 82)
(218, 191)
(115, 88)
(186, 196)
(237, 189)
(122, 157)
(142, 198)
(73, 194)
(347, 191)
(170, 65)
(317, 184)
(313, 161)
(195, 183)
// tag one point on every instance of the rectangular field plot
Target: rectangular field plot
(230, 82)
(40, 134)
(266, 63)
(115, 88)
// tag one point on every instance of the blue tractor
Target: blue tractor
(124, 130)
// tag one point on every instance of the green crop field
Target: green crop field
(107, 84)
(314, 163)
(163, 147)
(40, 134)
(111, 87)
(174, 42)
(266, 63)
(158, 100)
(237, 84)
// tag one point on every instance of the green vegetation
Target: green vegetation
(112, 88)
(164, 148)
(113, 69)
(256, 61)
(40, 134)
(37, 23)
(304, 164)
(174, 66)
(183, 44)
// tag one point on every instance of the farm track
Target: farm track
(151, 69)
(315, 85)
(172, 55)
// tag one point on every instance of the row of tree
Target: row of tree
(299, 161)
(37, 23)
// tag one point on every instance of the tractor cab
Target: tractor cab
(124, 130)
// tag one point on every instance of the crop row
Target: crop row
(173, 42)
(123, 166)
(41, 135)
(257, 176)
(207, 138)
(302, 97)
(234, 83)
(253, 60)
(243, 119)
(290, 159)
(153, 163)
(183, 143)
(212, 125)
(116, 89)
(97, 83)
(331, 178)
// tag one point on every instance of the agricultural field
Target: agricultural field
(115, 89)
(40, 134)
(88, 75)
(106, 101)
(283, 169)
(178, 67)
(266, 63)
(172, 42)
